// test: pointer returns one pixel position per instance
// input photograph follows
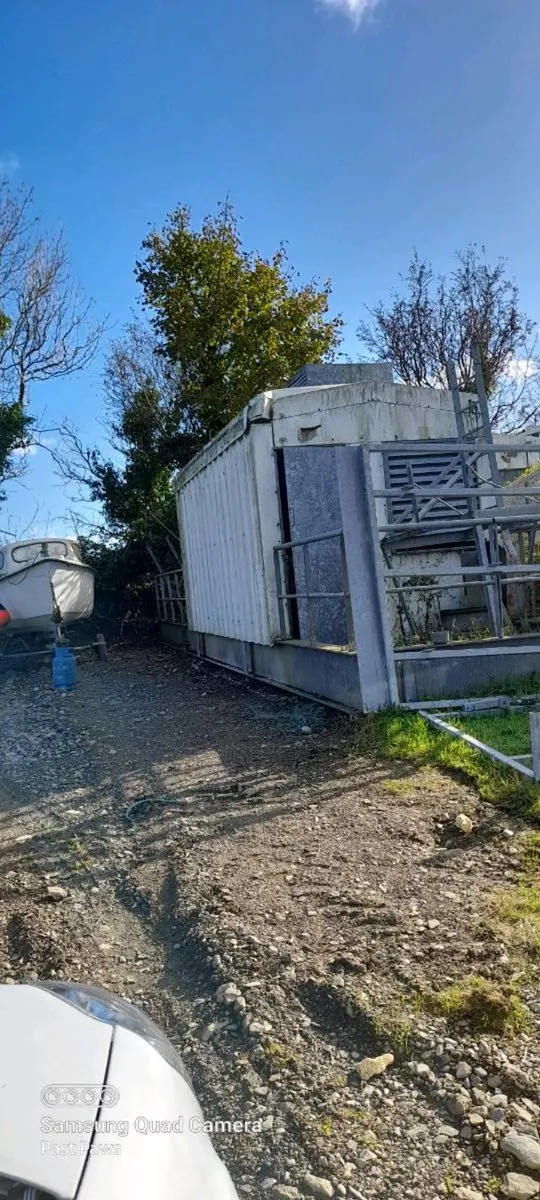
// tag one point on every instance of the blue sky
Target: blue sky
(352, 129)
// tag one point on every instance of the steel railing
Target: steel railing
(286, 557)
(491, 523)
(170, 597)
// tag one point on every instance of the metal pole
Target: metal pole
(404, 607)
(481, 549)
(534, 723)
(373, 639)
(484, 410)
(445, 572)
(472, 741)
(459, 493)
(279, 590)
(429, 447)
(346, 593)
(441, 526)
(311, 623)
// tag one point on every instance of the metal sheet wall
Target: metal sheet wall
(222, 548)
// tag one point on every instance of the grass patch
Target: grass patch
(527, 685)
(397, 734)
(395, 1028)
(531, 853)
(517, 911)
(517, 914)
(486, 1006)
(400, 787)
(506, 731)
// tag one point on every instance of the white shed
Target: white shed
(232, 497)
(297, 556)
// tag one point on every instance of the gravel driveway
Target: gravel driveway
(274, 903)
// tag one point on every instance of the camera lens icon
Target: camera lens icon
(54, 1096)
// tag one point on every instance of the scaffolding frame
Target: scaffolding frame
(489, 525)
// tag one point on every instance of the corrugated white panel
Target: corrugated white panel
(222, 548)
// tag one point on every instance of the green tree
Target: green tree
(223, 325)
(430, 320)
(229, 321)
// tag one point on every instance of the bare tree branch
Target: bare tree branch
(433, 320)
(46, 328)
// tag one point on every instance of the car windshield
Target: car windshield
(33, 550)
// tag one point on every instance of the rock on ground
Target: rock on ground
(525, 1149)
(520, 1187)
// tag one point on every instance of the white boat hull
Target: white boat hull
(28, 596)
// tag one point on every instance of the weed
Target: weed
(449, 1185)
(280, 1056)
(390, 1025)
(525, 685)
(354, 1114)
(395, 1029)
(81, 859)
(326, 1126)
(399, 787)
(516, 912)
(531, 853)
(494, 1184)
(487, 1007)
(519, 912)
(337, 1081)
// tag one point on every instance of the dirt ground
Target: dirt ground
(327, 891)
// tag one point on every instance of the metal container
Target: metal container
(229, 520)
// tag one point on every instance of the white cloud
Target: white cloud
(355, 9)
(520, 369)
(25, 451)
(9, 163)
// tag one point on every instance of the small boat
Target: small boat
(44, 583)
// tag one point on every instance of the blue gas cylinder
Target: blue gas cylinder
(64, 668)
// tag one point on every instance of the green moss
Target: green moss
(326, 1126)
(395, 734)
(359, 1115)
(280, 1056)
(487, 1007)
(337, 1081)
